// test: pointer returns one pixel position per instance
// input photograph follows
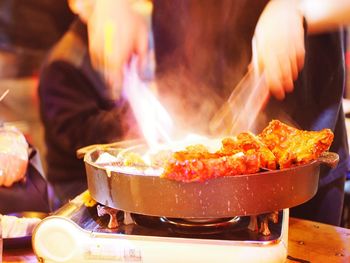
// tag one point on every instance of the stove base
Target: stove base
(61, 238)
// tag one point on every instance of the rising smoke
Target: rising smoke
(202, 50)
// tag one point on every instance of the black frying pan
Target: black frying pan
(216, 198)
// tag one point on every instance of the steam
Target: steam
(153, 119)
(202, 54)
(197, 75)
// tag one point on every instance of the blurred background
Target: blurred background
(27, 32)
(22, 52)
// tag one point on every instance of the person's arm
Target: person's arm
(279, 36)
(325, 15)
(13, 156)
(116, 32)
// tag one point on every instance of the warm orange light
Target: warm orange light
(108, 37)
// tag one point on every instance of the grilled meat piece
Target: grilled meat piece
(248, 142)
(278, 146)
(292, 146)
(243, 154)
(196, 163)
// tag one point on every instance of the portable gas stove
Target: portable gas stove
(171, 221)
(76, 233)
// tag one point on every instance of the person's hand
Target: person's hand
(279, 37)
(115, 32)
(13, 156)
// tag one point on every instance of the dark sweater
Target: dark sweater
(75, 109)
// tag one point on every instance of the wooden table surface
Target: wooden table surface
(308, 242)
(317, 243)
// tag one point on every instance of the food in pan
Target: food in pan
(278, 146)
(243, 154)
(196, 163)
(294, 147)
(247, 142)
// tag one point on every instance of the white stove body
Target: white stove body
(59, 239)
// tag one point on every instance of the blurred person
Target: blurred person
(111, 24)
(28, 29)
(202, 51)
(304, 71)
(111, 46)
(315, 99)
(77, 106)
(22, 183)
(76, 111)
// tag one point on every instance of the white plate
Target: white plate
(23, 241)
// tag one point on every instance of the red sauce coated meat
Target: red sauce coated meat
(278, 146)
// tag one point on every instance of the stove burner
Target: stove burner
(232, 229)
(200, 225)
(200, 222)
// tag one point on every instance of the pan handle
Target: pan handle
(330, 159)
(80, 153)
